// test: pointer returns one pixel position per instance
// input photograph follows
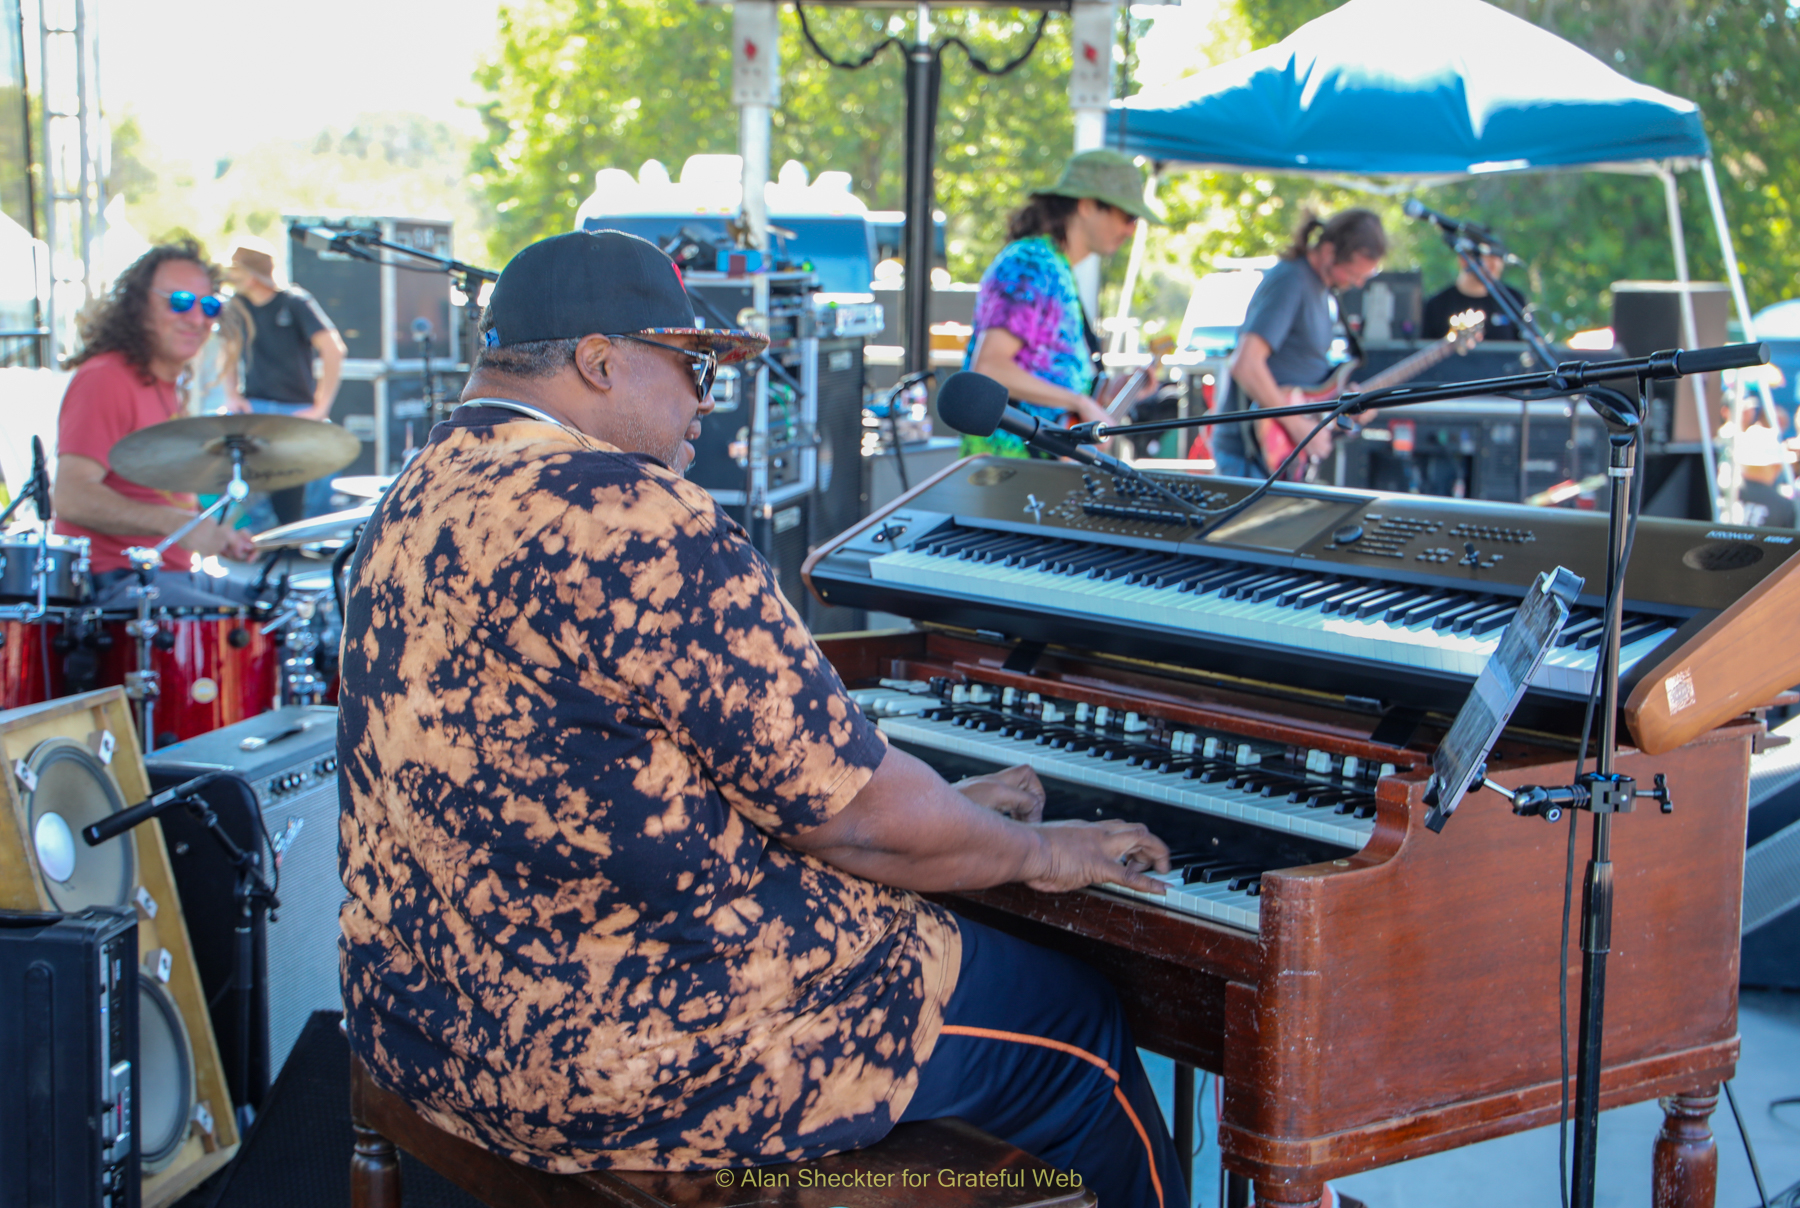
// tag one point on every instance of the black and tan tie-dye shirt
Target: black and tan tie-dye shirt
(577, 717)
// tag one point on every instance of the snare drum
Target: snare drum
(65, 568)
(213, 668)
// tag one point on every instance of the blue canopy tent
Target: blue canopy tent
(1395, 95)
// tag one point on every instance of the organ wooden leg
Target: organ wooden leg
(1685, 1166)
(1290, 1195)
(374, 1171)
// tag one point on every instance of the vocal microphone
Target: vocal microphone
(977, 405)
(422, 330)
(323, 239)
(1417, 209)
(40, 480)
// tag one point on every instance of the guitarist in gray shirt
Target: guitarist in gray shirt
(1285, 341)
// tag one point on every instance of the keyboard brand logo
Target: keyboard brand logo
(1721, 534)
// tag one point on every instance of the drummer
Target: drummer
(130, 372)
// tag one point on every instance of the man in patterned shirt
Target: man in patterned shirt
(632, 882)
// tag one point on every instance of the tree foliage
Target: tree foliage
(1739, 60)
(576, 86)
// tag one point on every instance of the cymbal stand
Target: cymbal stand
(144, 685)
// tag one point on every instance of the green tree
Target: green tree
(1739, 60)
(574, 87)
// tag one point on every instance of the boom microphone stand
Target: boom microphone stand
(1465, 240)
(1604, 791)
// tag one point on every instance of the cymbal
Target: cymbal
(333, 526)
(194, 455)
(363, 486)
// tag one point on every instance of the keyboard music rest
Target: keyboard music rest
(1400, 1000)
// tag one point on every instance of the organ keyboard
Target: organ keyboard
(1395, 600)
(1266, 700)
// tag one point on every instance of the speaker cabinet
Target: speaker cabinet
(69, 763)
(1646, 318)
(290, 780)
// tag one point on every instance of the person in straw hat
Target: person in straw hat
(1032, 334)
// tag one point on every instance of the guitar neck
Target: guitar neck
(1412, 366)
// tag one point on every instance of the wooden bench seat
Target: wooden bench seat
(904, 1169)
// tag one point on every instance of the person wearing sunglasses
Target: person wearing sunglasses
(137, 347)
(279, 331)
(630, 876)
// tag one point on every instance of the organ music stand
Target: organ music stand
(1603, 791)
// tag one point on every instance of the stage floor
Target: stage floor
(1520, 1170)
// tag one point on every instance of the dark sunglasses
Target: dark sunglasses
(703, 365)
(182, 300)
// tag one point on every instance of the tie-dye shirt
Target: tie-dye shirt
(577, 716)
(1030, 291)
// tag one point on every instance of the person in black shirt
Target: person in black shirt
(1468, 293)
(282, 330)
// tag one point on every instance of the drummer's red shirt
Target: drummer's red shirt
(106, 401)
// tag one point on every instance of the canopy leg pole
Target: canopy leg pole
(1140, 243)
(1738, 297)
(1688, 338)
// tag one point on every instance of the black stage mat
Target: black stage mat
(298, 1152)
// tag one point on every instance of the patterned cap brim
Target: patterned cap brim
(730, 344)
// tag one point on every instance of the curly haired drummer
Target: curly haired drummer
(136, 347)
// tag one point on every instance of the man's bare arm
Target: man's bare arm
(82, 497)
(995, 349)
(910, 829)
(332, 350)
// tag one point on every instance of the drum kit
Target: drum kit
(192, 653)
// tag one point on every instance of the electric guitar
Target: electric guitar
(1465, 332)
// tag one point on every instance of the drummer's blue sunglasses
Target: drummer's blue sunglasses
(182, 300)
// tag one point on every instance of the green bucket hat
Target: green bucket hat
(1108, 176)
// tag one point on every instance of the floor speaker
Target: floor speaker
(69, 763)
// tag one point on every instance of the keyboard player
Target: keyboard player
(604, 795)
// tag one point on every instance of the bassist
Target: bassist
(1286, 336)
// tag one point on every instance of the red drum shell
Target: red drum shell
(22, 661)
(206, 681)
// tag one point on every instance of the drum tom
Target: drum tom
(64, 568)
(213, 667)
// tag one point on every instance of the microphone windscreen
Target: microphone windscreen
(972, 403)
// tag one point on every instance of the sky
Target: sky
(226, 75)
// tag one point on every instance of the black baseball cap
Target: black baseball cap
(600, 283)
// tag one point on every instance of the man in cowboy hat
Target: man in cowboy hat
(631, 879)
(279, 330)
(1032, 333)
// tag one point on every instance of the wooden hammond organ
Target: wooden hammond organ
(1266, 699)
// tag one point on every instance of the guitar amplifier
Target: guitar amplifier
(286, 762)
(68, 1104)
